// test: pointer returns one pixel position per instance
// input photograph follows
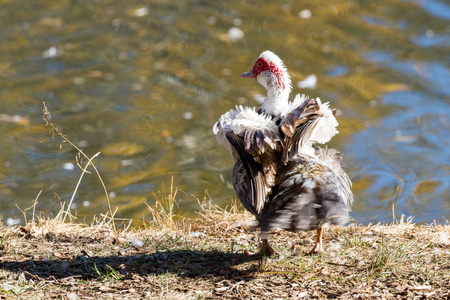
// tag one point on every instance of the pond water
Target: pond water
(143, 82)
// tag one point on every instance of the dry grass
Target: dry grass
(214, 256)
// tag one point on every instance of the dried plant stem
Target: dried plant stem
(78, 184)
(54, 130)
(35, 203)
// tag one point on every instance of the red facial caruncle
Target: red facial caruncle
(262, 65)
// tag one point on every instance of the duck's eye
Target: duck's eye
(260, 64)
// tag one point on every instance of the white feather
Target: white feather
(249, 118)
(326, 126)
(222, 127)
(238, 120)
(298, 100)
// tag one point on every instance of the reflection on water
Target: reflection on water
(143, 83)
(405, 158)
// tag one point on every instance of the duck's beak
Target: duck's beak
(248, 74)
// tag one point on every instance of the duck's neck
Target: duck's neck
(278, 88)
(276, 102)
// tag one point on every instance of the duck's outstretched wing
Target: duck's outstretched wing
(259, 132)
(252, 139)
(248, 176)
(308, 121)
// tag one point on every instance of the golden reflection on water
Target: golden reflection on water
(143, 83)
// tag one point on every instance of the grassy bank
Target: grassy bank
(215, 257)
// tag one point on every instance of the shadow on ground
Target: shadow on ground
(188, 263)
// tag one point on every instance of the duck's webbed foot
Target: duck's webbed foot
(318, 247)
(266, 248)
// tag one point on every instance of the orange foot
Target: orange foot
(297, 250)
(266, 249)
(318, 248)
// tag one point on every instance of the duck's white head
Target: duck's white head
(270, 72)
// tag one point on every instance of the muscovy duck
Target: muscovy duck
(279, 175)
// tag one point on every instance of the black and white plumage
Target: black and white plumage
(279, 175)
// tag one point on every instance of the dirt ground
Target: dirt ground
(216, 257)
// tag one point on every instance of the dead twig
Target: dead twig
(78, 184)
(55, 131)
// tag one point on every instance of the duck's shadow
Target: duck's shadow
(186, 263)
